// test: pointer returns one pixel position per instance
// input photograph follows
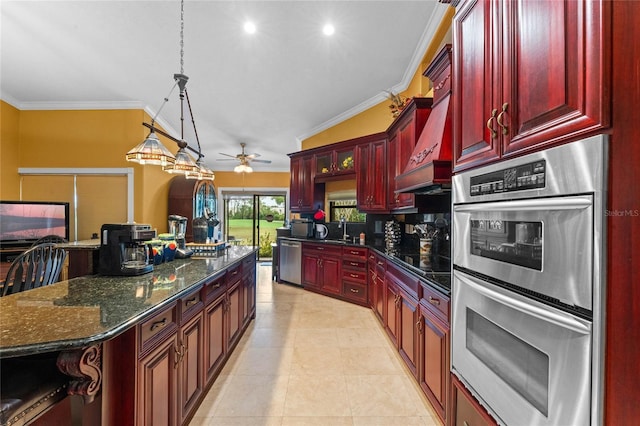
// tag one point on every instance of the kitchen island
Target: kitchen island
(118, 337)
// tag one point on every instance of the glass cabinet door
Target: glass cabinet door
(324, 164)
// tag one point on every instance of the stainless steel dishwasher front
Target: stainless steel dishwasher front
(291, 261)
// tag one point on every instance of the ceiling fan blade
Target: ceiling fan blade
(252, 156)
(226, 159)
(261, 161)
(228, 155)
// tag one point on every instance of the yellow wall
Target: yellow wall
(9, 151)
(97, 139)
(378, 118)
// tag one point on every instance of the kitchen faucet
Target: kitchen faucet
(343, 225)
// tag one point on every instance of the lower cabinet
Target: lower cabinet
(466, 411)
(408, 330)
(190, 365)
(391, 298)
(434, 349)
(157, 372)
(321, 268)
(157, 382)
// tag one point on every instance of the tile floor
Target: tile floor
(308, 359)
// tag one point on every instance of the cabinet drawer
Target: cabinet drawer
(467, 411)
(360, 252)
(354, 291)
(324, 249)
(354, 264)
(435, 301)
(214, 288)
(190, 305)
(248, 263)
(377, 261)
(353, 275)
(234, 273)
(155, 329)
(409, 281)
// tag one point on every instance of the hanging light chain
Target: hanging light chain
(182, 37)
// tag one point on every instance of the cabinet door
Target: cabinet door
(295, 187)
(362, 176)
(407, 139)
(377, 178)
(234, 312)
(392, 149)
(433, 374)
(190, 365)
(476, 37)
(379, 297)
(157, 386)
(310, 267)
(215, 336)
(306, 184)
(553, 80)
(249, 294)
(391, 309)
(331, 274)
(408, 331)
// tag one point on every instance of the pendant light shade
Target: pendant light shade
(203, 173)
(243, 167)
(184, 164)
(151, 151)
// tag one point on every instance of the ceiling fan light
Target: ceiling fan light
(184, 163)
(243, 168)
(151, 151)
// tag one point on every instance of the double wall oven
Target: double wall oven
(528, 285)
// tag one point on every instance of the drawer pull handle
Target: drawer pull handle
(159, 324)
(353, 264)
(354, 252)
(494, 134)
(217, 285)
(380, 263)
(320, 248)
(191, 301)
(353, 290)
(434, 301)
(505, 129)
(353, 275)
(235, 272)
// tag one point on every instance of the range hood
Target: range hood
(429, 168)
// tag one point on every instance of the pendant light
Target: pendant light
(151, 150)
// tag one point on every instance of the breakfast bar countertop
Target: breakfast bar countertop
(91, 309)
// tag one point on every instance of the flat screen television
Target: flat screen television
(23, 222)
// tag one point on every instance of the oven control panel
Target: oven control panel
(524, 176)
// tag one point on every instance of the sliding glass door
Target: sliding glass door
(252, 219)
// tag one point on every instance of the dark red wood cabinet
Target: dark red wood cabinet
(465, 410)
(322, 268)
(403, 135)
(518, 88)
(371, 178)
(301, 185)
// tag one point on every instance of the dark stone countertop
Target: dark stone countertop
(87, 310)
(437, 271)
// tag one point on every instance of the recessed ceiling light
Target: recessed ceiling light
(250, 27)
(328, 30)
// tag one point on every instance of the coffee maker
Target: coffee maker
(123, 250)
(178, 227)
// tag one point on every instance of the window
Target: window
(346, 208)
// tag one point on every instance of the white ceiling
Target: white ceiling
(271, 89)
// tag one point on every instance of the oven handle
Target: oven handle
(564, 321)
(566, 203)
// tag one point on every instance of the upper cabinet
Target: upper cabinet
(403, 136)
(337, 161)
(371, 181)
(301, 188)
(527, 75)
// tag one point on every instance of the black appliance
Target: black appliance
(123, 250)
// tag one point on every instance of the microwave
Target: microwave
(302, 228)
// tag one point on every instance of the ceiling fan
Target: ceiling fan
(244, 160)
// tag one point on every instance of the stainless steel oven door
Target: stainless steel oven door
(541, 244)
(527, 362)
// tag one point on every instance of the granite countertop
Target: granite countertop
(91, 309)
(436, 272)
(82, 244)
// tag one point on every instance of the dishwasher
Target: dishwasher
(290, 267)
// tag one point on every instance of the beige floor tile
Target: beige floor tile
(376, 361)
(315, 360)
(361, 338)
(308, 359)
(383, 396)
(264, 361)
(251, 396)
(317, 396)
(317, 421)
(316, 338)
